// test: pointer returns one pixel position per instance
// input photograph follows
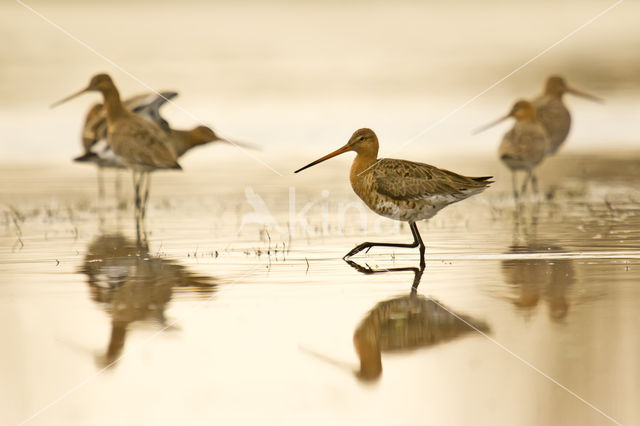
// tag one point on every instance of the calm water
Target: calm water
(517, 316)
(237, 308)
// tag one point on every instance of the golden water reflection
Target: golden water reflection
(535, 280)
(405, 323)
(133, 286)
(532, 280)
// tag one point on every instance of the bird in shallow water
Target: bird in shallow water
(524, 146)
(553, 113)
(400, 189)
(94, 132)
(139, 144)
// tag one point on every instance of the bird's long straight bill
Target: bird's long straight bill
(243, 145)
(68, 98)
(326, 157)
(487, 126)
(584, 95)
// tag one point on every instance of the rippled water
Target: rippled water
(522, 316)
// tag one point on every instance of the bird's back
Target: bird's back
(555, 118)
(410, 191)
(141, 144)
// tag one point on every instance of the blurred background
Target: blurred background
(300, 75)
(557, 286)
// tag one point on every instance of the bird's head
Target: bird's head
(363, 141)
(557, 86)
(521, 110)
(99, 82)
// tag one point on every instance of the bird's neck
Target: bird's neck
(555, 94)
(362, 162)
(528, 119)
(181, 141)
(112, 103)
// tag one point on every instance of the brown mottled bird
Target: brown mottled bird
(94, 132)
(553, 113)
(524, 146)
(400, 189)
(140, 144)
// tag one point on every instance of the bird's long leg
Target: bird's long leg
(514, 184)
(141, 230)
(527, 178)
(417, 242)
(146, 176)
(138, 178)
(100, 184)
(118, 188)
(534, 183)
(136, 195)
(136, 190)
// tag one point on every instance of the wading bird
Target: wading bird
(94, 132)
(553, 113)
(139, 144)
(524, 146)
(400, 189)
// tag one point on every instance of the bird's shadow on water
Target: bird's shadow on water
(135, 287)
(401, 325)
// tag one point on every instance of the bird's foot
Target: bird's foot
(357, 249)
(366, 269)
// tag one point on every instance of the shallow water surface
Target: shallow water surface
(230, 312)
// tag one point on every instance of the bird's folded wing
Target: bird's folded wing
(406, 180)
(143, 143)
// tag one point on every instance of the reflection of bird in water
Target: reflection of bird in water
(133, 286)
(403, 324)
(533, 279)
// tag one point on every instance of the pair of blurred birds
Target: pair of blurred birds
(132, 134)
(146, 106)
(542, 126)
